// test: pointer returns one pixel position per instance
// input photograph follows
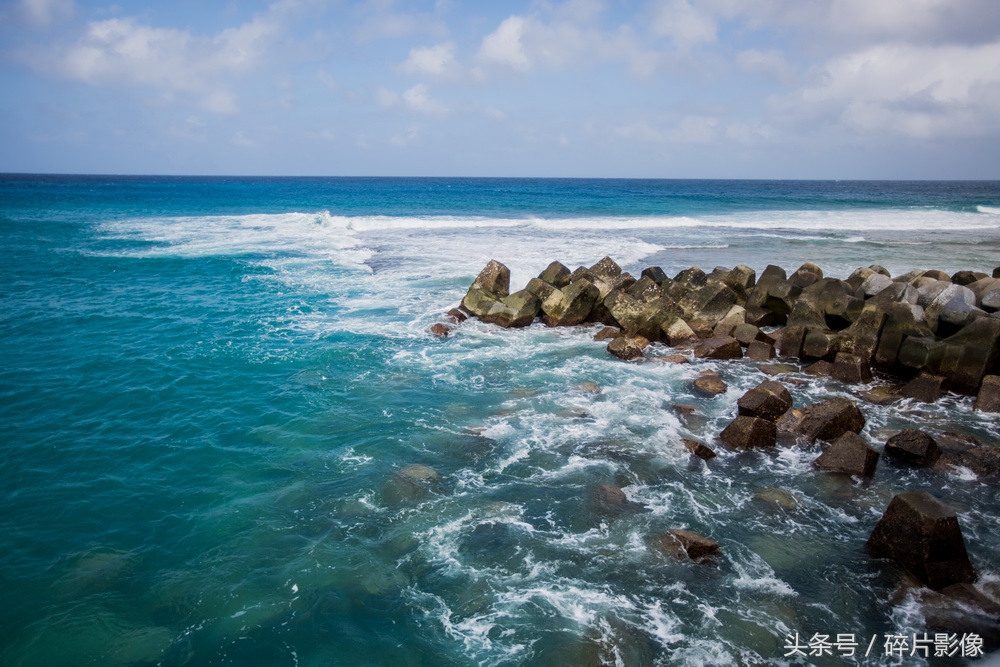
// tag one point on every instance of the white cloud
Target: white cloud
(504, 45)
(386, 98)
(381, 21)
(911, 91)
(418, 98)
(437, 60)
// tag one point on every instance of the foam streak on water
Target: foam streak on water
(212, 387)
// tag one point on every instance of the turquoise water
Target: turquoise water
(210, 385)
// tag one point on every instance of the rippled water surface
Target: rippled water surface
(210, 389)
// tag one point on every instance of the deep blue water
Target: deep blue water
(209, 386)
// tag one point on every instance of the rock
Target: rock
(410, 484)
(778, 499)
(849, 454)
(677, 333)
(828, 420)
(952, 293)
(937, 275)
(875, 283)
(775, 370)
(988, 399)
(967, 277)
(685, 410)
(679, 543)
(913, 447)
(699, 449)
(925, 387)
(517, 310)
(555, 274)
(741, 280)
(606, 268)
(607, 333)
(921, 535)
(645, 290)
(996, 272)
(764, 309)
(768, 400)
(456, 315)
(748, 333)
(881, 395)
(570, 305)
(478, 302)
(759, 350)
(929, 289)
(609, 496)
(806, 275)
(709, 385)
(540, 288)
(719, 348)
(879, 269)
(821, 368)
(655, 274)
(910, 276)
(749, 432)
(674, 359)
(851, 368)
(693, 277)
(440, 330)
(589, 387)
(628, 347)
(494, 278)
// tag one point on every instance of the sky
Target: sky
(867, 89)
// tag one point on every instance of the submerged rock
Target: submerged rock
(709, 384)
(683, 543)
(778, 499)
(921, 535)
(699, 449)
(628, 347)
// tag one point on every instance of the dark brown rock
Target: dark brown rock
(774, 370)
(828, 420)
(768, 400)
(680, 543)
(749, 432)
(759, 350)
(967, 277)
(849, 454)
(674, 359)
(881, 395)
(456, 315)
(719, 348)
(440, 330)
(806, 275)
(913, 447)
(925, 387)
(921, 535)
(693, 277)
(822, 368)
(699, 449)
(655, 274)
(748, 333)
(851, 368)
(988, 398)
(709, 385)
(628, 347)
(607, 333)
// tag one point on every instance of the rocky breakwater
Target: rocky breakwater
(941, 333)
(921, 333)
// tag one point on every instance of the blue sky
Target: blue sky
(656, 88)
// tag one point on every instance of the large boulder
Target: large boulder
(851, 368)
(517, 310)
(494, 278)
(921, 535)
(828, 420)
(925, 387)
(768, 400)
(719, 348)
(988, 399)
(750, 432)
(628, 347)
(951, 297)
(556, 274)
(763, 309)
(913, 447)
(849, 454)
(570, 305)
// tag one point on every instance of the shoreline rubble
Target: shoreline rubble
(921, 334)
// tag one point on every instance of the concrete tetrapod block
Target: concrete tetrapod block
(920, 534)
(849, 454)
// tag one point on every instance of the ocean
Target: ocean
(210, 386)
